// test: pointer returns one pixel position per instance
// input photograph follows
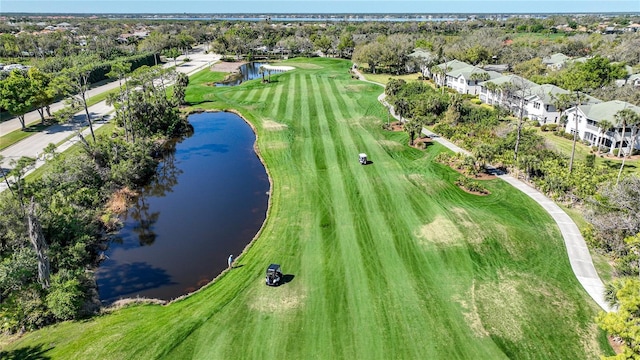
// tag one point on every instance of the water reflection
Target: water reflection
(208, 201)
(122, 280)
(248, 71)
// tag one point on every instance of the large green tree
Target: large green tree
(17, 95)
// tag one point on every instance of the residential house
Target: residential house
(585, 118)
(448, 66)
(540, 103)
(423, 59)
(466, 80)
(506, 91)
(556, 61)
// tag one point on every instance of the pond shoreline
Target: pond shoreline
(148, 300)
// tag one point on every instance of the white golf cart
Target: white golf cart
(363, 159)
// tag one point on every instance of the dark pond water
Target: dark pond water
(248, 71)
(209, 201)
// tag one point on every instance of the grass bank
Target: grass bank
(387, 260)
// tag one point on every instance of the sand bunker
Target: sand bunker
(278, 67)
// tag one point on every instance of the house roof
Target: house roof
(503, 79)
(453, 65)
(422, 54)
(496, 67)
(606, 110)
(546, 92)
(466, 72)
(557, 58)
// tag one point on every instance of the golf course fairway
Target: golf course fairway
(390, 260)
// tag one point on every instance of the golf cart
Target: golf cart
(274, 275)
(363, 159)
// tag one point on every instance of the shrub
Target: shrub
(552, 127)
(544, 127)
(590, 160)
(471, 185)
(65, 297)
(476, 101)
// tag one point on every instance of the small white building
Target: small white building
(585, 118)
(466, 80)
(446, 67)
(556, 61)
(540, 103)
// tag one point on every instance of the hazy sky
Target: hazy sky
(315, 6)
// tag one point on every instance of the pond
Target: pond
(208, 201)
(248, 71)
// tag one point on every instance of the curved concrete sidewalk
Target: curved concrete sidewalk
(579, 256)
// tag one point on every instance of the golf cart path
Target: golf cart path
(577, 250)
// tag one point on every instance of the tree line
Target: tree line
(54, 227)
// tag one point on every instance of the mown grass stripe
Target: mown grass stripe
(395, 284)
(355, 268)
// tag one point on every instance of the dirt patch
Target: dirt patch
(501, 305)
(470, 313)
(273, 126)
(277, 300)
(616, 344)
(422, 142)
(227, 66)
(394, 126)
(474, 232)
(440, 231)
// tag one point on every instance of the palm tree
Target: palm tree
(492, 88)
(401, 108)
(604, 126)
(624, 117)
(412, 127)
(479, 76)
(561, 102)
(634, 121)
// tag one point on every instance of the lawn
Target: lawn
(387, 261)
(384, 78)
(564, 146)
(19, 135)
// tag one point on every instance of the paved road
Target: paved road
(579, 256)
(33, 145)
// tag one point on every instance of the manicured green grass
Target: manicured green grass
(386, 261)
(564, 146)
(384, 78)
(19, 135)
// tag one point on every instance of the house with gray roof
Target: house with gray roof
(466, 80)
(584, 120)
(446, 67)
(540, 103)
(423, 59)
(556, 61)
(505, 90)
